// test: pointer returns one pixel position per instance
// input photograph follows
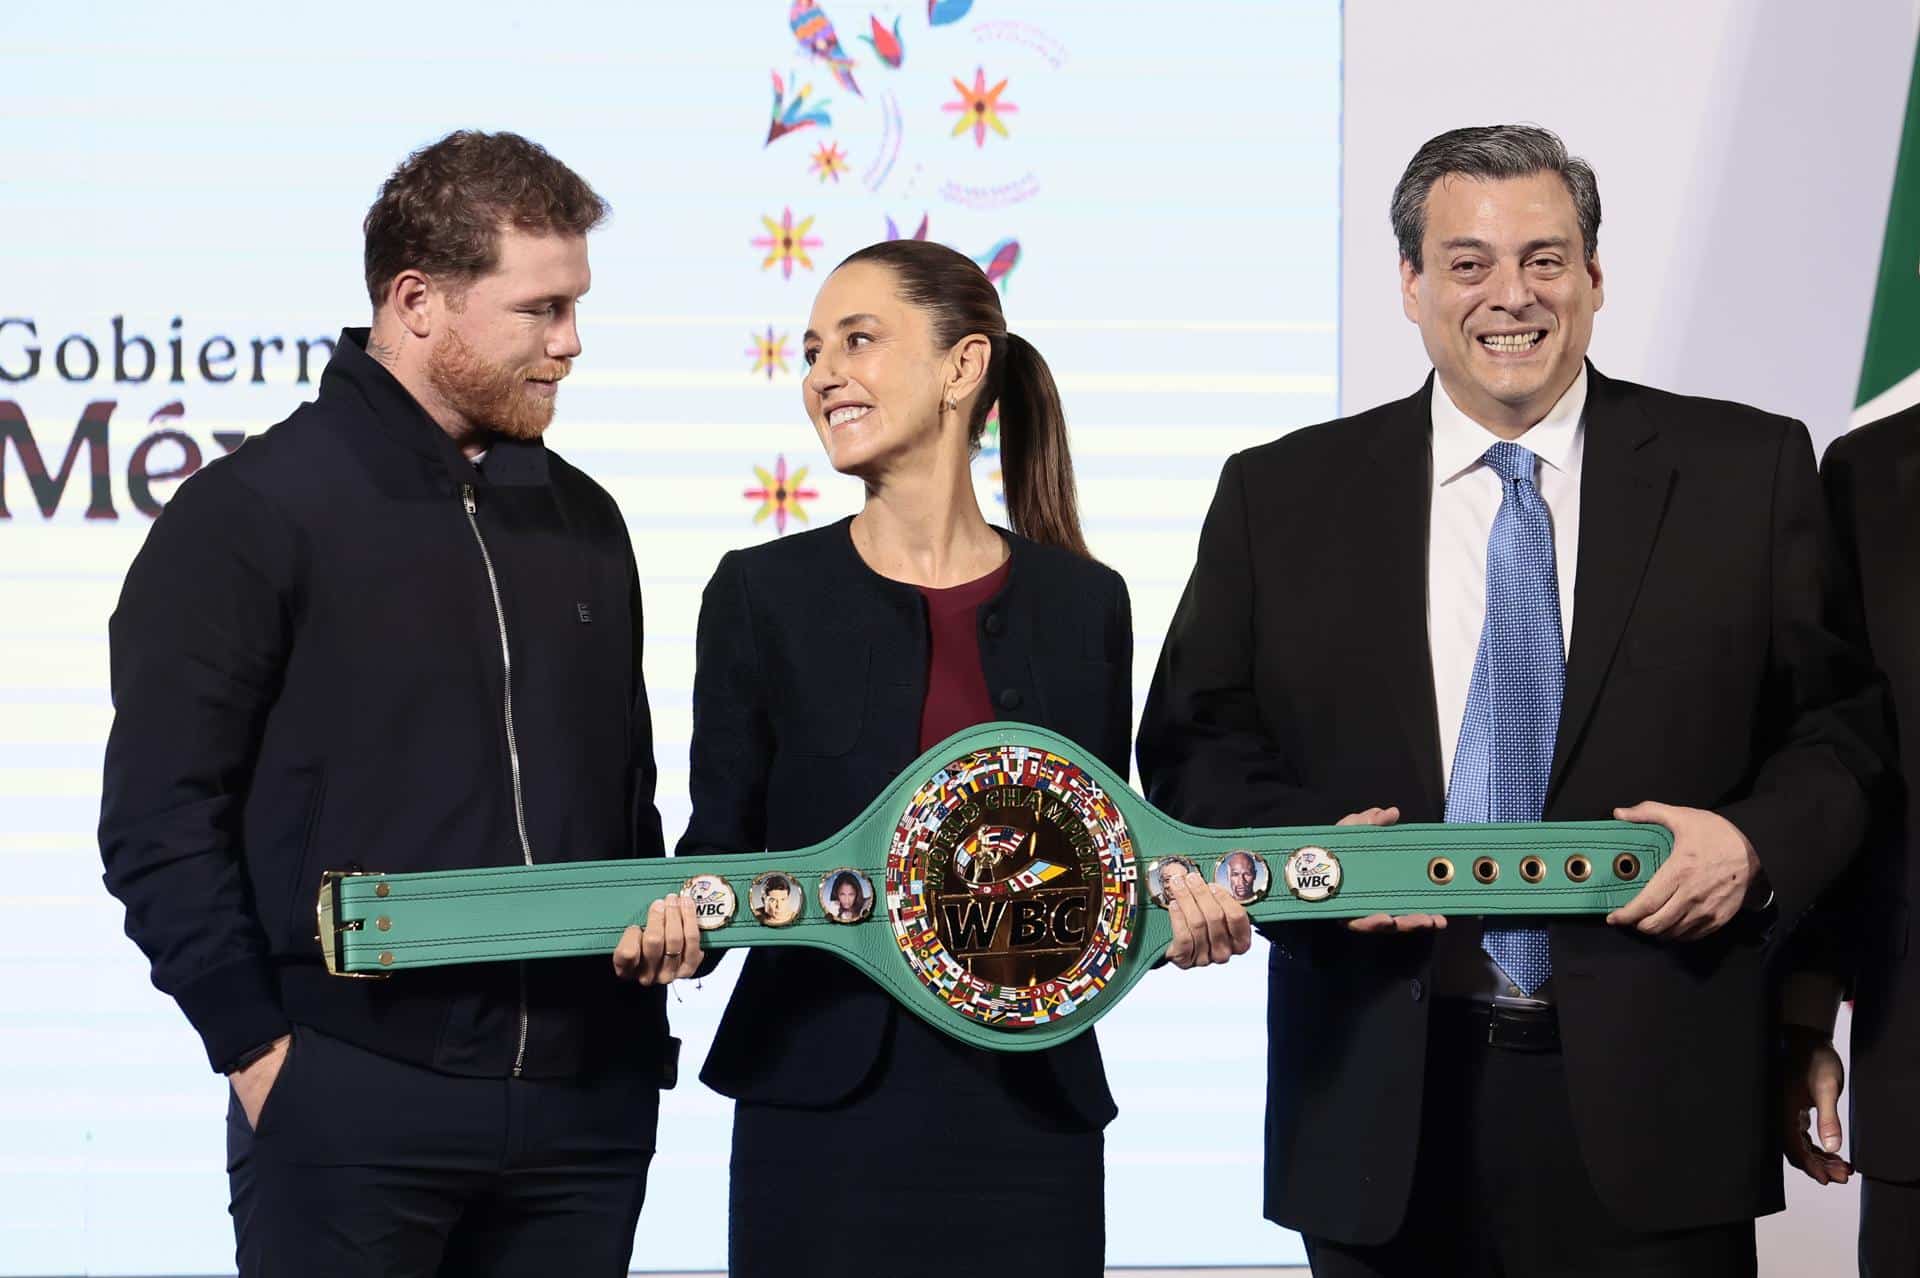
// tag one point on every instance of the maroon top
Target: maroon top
(956, 685)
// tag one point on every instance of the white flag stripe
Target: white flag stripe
(1904, 393)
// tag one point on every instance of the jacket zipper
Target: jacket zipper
(513, 748)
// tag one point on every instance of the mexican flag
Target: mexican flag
(1890, 373)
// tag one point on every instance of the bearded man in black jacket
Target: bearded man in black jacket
(396, 633)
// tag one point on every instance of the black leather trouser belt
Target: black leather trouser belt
(1513, 1029)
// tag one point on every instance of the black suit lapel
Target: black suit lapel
(1902, 530)
(1390, 547)
(1906, 528)
(1625, 479)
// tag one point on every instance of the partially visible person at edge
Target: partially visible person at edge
(803, 713)
(1526, 591)
(1859, 942)
(396, 633)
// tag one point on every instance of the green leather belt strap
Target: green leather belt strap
(1003, 888)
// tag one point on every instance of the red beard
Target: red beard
(494, 397)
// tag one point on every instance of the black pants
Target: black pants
(1889, 1228)
(1500, 1189)
(362, 1165)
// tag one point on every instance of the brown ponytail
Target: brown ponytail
(1035, 464)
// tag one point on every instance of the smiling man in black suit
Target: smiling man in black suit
(1527, 591)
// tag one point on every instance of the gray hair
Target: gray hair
(1491, 151)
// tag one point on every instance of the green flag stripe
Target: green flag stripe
(1893, 335)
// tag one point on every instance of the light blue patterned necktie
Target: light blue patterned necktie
(1505, 755)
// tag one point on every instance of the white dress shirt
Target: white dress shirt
(1466, 497)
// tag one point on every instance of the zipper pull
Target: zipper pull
(466, 496)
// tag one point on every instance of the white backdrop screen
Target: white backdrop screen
(179, 241)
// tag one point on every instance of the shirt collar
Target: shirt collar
(1459, 441)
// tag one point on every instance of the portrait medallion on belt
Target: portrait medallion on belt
(776, 899)
(1244, 875)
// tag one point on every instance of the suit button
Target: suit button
(1010, 699)
(993, 624)
(1418, 991)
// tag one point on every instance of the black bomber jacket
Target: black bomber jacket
(308, 674)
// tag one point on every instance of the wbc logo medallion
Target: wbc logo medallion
(713, 900)
(1313, 874)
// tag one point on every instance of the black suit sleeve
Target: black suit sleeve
(1119, 640)
(1205, 755)
(1823, 713)
(732, 749)
(644, 814)
(198, 645)
(1827, 938)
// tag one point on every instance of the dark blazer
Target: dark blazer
(1861, 932)
(1296, 685)
(806, 703)
(307, 675)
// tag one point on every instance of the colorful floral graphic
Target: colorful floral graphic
(781, 495)
(786, 243)
(886, 44)
(769, 353)
(980, 108)
(829, 161)
(791, 117)
(998, 262)
(812, 28)
(990, 453)
(893, 231)
(907, 161)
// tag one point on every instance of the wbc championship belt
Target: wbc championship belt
(1006, 888)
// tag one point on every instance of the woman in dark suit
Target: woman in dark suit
(827, 662)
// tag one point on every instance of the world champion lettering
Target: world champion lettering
(168, 453)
